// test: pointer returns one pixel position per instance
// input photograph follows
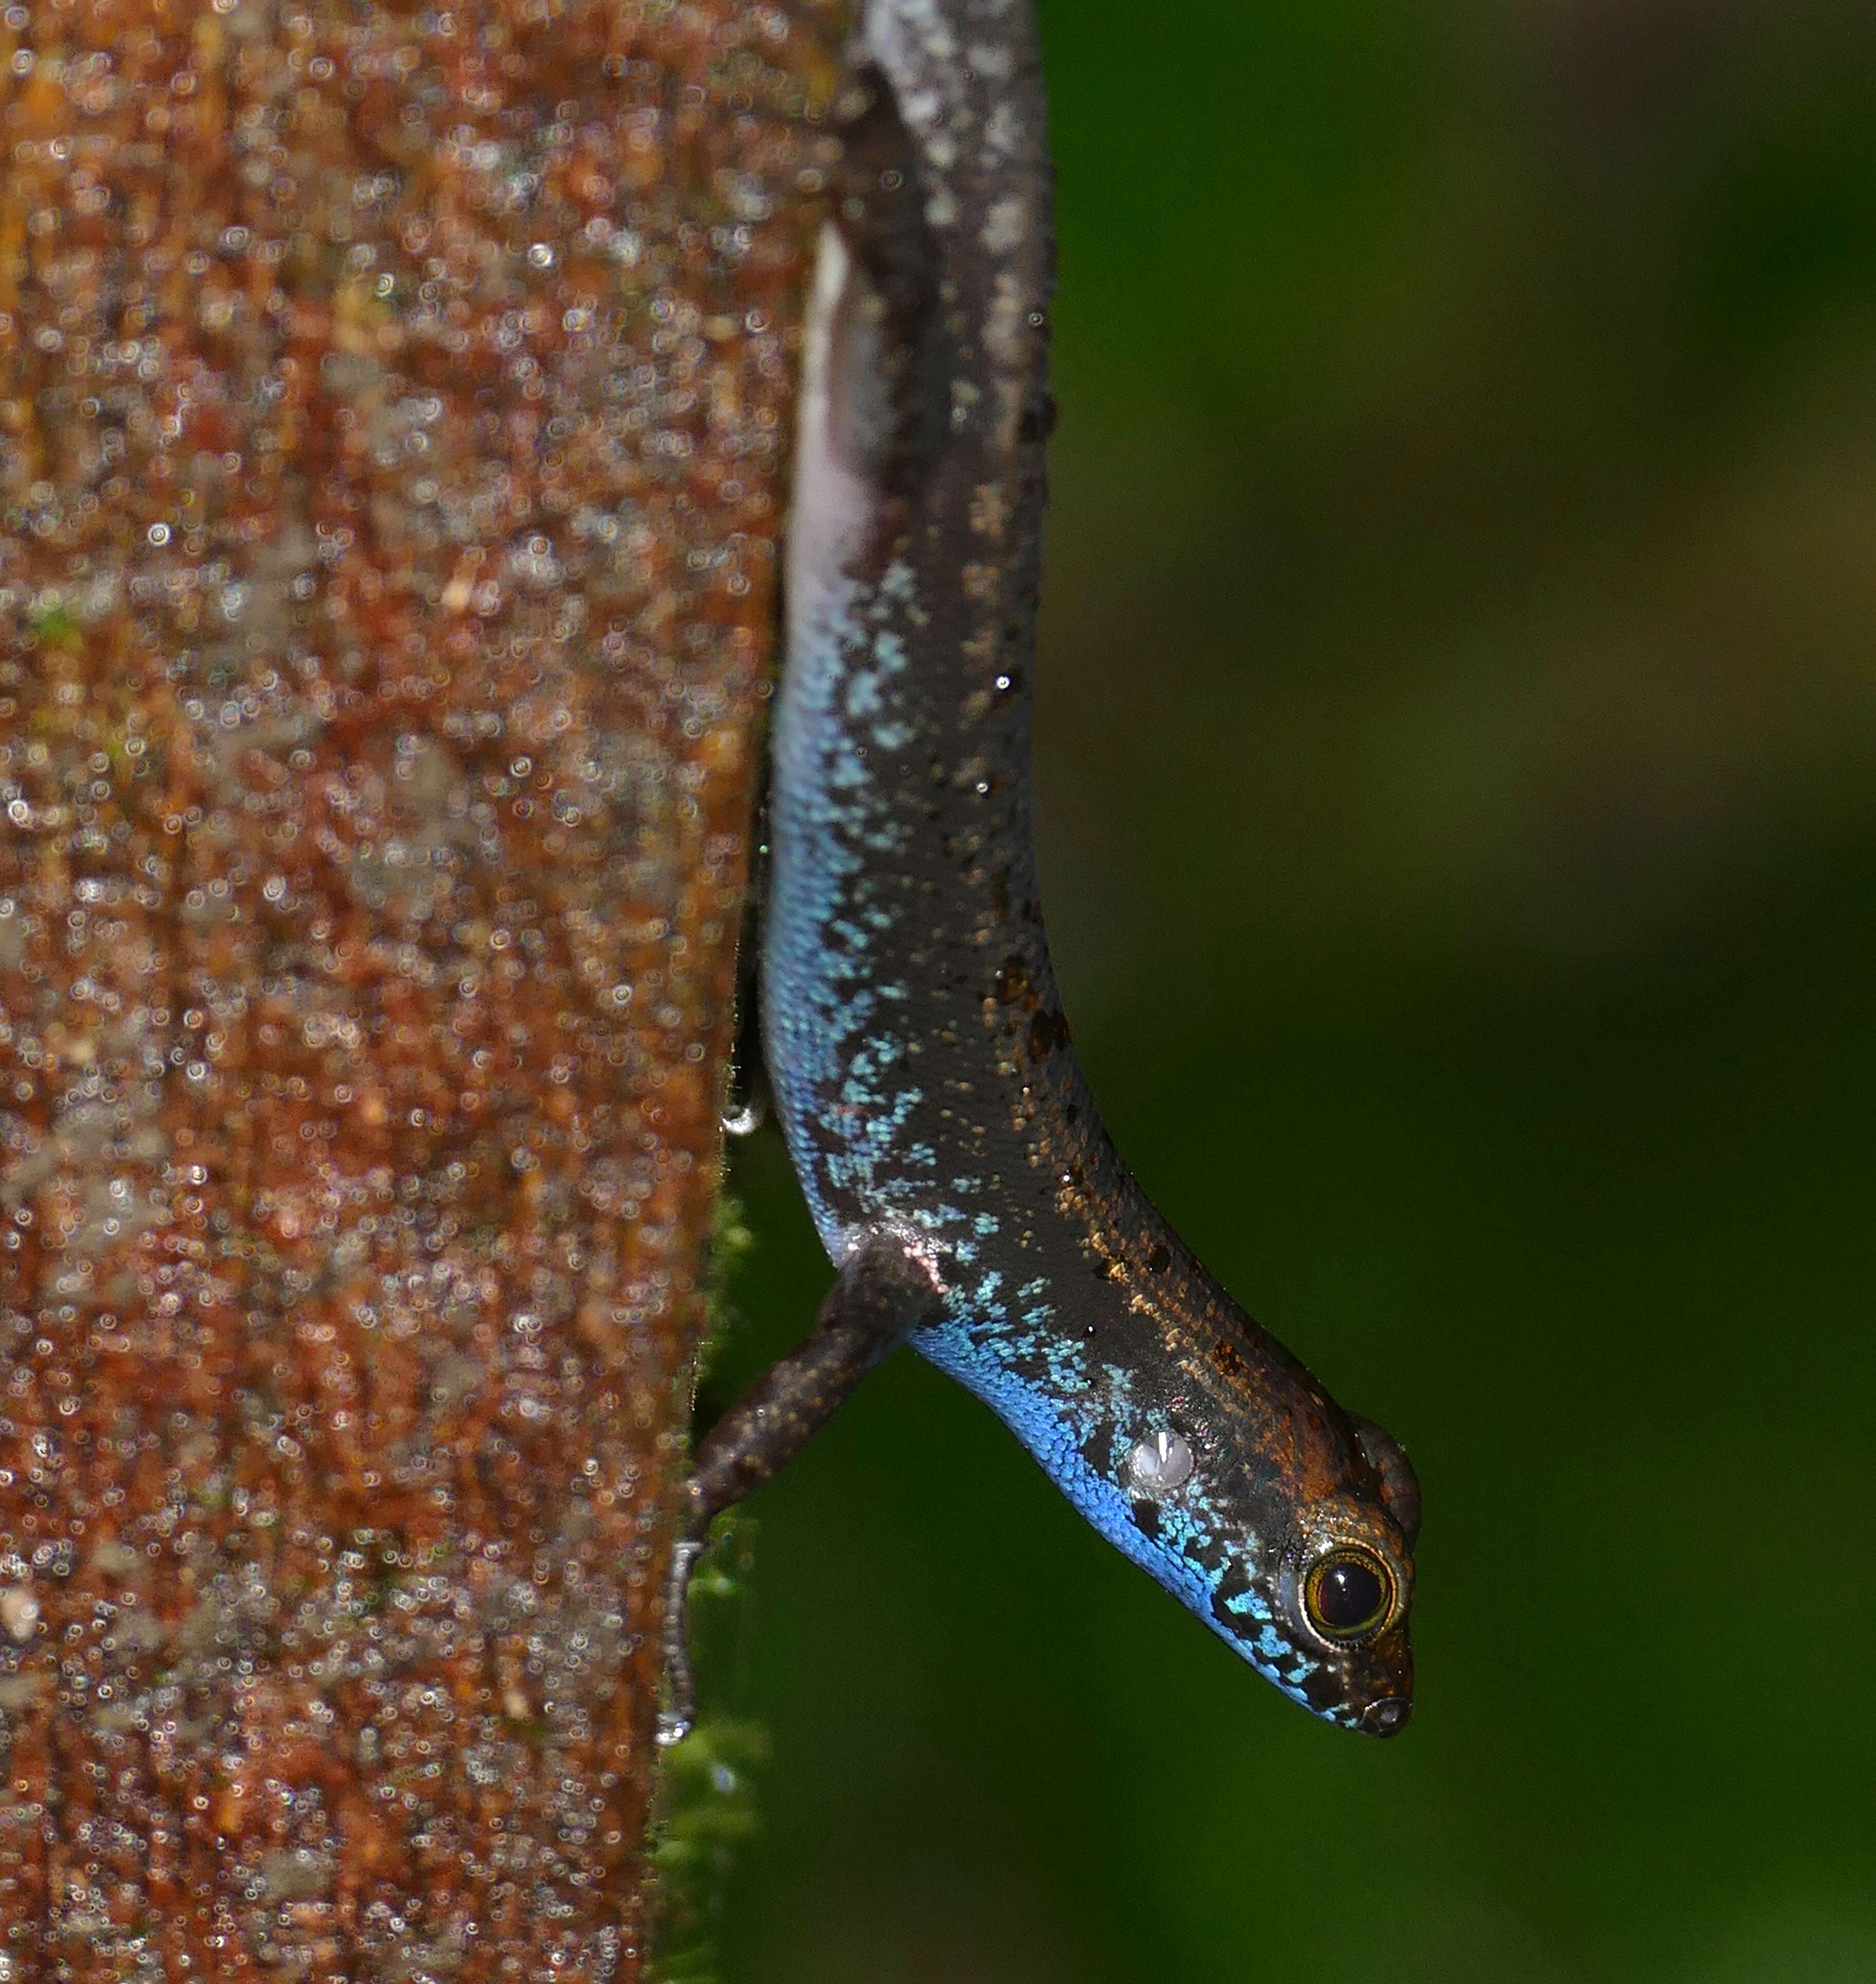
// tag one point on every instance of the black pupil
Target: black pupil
(1348, 1595)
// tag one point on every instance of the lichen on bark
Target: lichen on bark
(392, 405)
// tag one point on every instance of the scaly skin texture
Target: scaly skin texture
(915, 1040)
(392, 410)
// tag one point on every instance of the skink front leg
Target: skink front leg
(879, 1294)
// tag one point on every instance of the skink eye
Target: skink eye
(1349, 1593)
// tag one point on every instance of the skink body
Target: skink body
(944, 1136)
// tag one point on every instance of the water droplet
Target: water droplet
(1161, 1462)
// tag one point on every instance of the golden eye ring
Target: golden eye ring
(1349, 1594)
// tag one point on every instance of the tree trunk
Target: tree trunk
(393, 408)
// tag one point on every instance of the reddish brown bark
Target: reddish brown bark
(392, 402)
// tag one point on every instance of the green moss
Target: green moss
(731, 1243)
(705, 1807)
(706, 1811)
(53, 626)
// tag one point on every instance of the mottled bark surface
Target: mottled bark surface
(392, 403)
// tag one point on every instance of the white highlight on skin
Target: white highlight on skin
(1161, 1462)
(834, 504)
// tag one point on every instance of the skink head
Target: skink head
(1289, 1527)
(1342, 1599)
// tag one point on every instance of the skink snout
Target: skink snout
(1387, 1716)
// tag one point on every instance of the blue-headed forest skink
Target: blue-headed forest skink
(915, 1044)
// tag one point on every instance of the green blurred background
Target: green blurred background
(1455, 764)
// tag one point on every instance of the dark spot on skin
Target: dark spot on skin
(1147, 1519)
(999, 894)
(1072, 1113)
(1038, 421)
(1041, 1034)
(1234, 1584)
(1226, 1359)
(1159, 1259)
(1104, 1270)
(1012, 981)
(1031, 1367)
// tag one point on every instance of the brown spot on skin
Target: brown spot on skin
(1047, 1031)
(980, 649)
(990, 511)
(1228, 1360)
(1012, 982)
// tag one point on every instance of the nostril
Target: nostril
(1387, 1717)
